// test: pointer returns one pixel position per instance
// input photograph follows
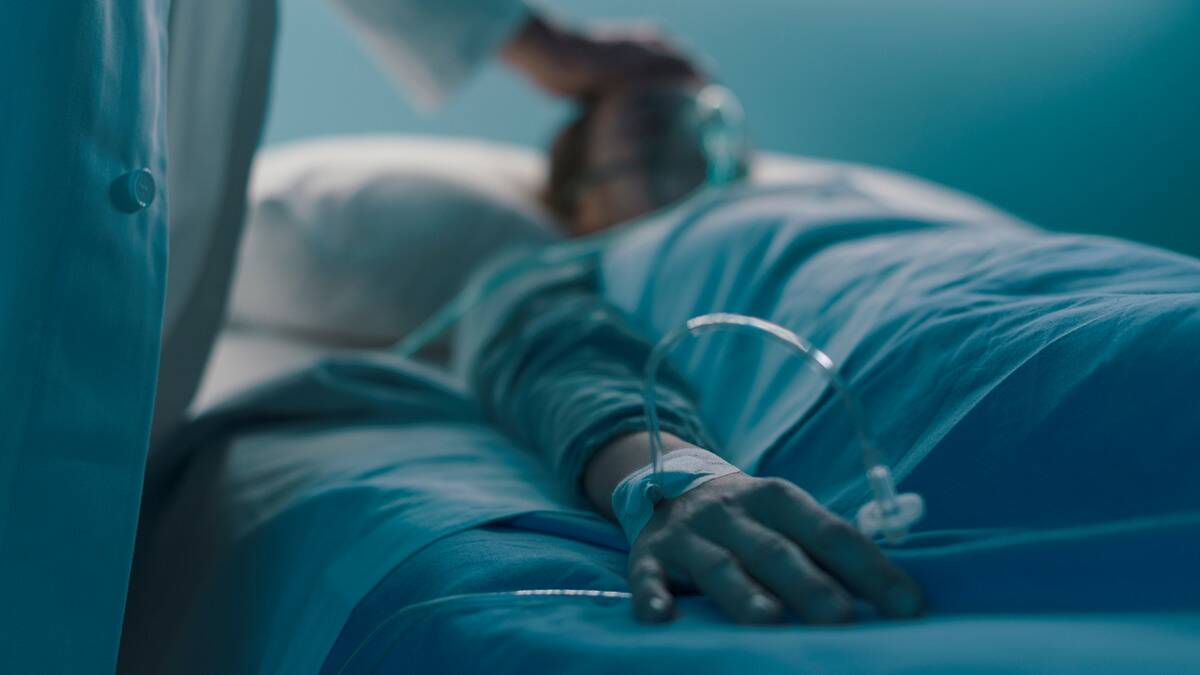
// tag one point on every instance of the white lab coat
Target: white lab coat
(84, 299)
(82, 274)
(429, 46)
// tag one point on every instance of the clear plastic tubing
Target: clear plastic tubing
(889, 514)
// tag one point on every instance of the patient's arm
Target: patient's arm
(562, 372)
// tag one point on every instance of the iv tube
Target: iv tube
(888, 513)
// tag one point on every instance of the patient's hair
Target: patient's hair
(568, 161)
(648, 131)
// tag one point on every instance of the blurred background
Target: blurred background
(1078, 115)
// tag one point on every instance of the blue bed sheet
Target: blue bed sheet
(1040, 391)
(1014, 377)
(998, 605)
(1027, 384)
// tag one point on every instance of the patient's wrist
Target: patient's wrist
(616, 461)
(682, 470)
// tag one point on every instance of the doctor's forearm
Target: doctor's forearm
(569, 61)
(527, 44)
(550, 56)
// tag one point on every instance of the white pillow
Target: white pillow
(356, 241)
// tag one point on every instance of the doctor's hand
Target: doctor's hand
(567, 62)
(759, 547)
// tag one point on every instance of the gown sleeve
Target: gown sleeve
(560, 370)
(433, 46)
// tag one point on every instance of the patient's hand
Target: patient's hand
(756, 546)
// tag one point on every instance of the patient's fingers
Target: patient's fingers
(840, 548)
(719, 575)
(652, 602)
(782, 567)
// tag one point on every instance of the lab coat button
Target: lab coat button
(134, 191)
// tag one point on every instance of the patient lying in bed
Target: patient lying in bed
(989, 356)
(563, 374)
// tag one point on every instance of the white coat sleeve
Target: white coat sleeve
(433, 46)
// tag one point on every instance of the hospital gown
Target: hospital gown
(560, 369)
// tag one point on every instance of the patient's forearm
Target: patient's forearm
(616, 460)
(562, 373)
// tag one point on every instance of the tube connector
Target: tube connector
(889, 514)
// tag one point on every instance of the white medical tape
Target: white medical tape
(683, 470)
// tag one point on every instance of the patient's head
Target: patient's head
(625, 154)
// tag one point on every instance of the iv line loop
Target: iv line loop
(888, 513)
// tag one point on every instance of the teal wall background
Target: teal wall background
(1079, 115)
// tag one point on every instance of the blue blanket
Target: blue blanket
(1039, 390)
(1031, 386)
(998, 604)
(1016, 378)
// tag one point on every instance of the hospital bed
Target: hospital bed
(322, 549)
(362, 517)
